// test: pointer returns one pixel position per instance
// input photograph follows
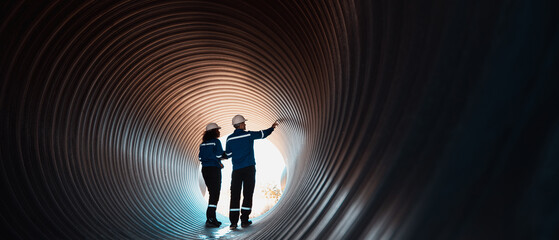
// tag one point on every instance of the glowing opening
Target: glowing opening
(270, 168)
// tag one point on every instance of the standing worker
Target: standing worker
(240, 147)
(211, 153)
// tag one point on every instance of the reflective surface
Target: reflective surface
(398, 120)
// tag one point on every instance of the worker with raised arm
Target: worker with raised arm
(240, 148)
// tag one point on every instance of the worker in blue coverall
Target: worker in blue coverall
(240, 148)
(211, 153)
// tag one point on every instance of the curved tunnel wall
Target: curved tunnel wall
(397, 120)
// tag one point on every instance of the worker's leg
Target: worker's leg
(236, 185)
(212, 177)
(249, 174)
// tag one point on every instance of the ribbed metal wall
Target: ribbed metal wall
(417, 120)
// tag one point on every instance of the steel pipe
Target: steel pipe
(398, 120)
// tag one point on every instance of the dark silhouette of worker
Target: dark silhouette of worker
(240, 147)
(211, 153)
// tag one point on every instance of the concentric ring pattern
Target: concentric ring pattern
(403, 120)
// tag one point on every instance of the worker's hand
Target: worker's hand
(275, 124)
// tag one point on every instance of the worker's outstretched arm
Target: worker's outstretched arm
(263, 133)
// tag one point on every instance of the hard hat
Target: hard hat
(238, 119)
(212, 126)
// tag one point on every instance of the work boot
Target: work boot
(246, 223)
(217, 222)
(212, 222)
(210, 216)
(234, 218)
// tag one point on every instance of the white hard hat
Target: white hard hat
(238, 119)
(212, 126)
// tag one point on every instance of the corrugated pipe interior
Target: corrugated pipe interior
(398, 120)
